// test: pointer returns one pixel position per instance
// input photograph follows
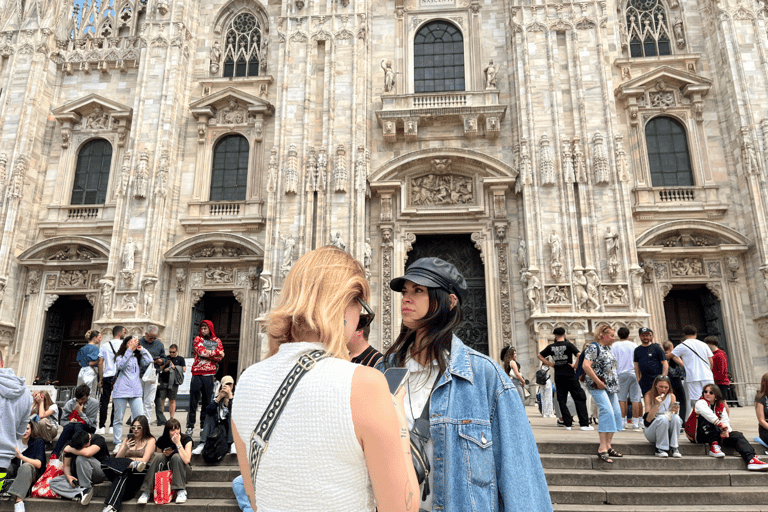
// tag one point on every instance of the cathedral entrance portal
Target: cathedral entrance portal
(225, 312)
(67, 321)
(459, 250)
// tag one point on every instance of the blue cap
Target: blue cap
(433, 273)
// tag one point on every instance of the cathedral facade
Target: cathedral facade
(166, 161)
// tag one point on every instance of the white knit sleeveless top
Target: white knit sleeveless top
(314, 461)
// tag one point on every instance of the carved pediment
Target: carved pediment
(687, 237)
(93, 112)
(214, 249)
(69, 250)
(665, 78)
(231, 106)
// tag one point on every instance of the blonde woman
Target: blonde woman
(602, 382)
(339, 430)
(88, 357)
(46, 414)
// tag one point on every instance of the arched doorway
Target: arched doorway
(459, 250)
(66, 322)
(221, 308)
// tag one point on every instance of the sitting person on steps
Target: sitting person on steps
(174, 449)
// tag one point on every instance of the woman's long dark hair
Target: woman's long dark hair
(145, 432)
(716, 391)
(439, 324)
(124, 347)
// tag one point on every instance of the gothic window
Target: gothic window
(243, 43)
(668, 156)
(648, 29)
(438, 58)
(92, 173)
(229, 175)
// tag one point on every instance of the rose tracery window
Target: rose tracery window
(243, 43)
(648, 29)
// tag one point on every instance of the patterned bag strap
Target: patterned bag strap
(265, 426)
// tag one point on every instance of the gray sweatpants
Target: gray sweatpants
(24, 478)
(663, 432)
(89, 473)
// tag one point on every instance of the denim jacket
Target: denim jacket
(485, 456)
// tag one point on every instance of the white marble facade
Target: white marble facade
(542, 159)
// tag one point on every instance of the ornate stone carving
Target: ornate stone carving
(687, 267)
(579, 166)
(148, 284)
(287, 262)
(338, 241)
(593, 288)
(18, 174)
(522, 256)
(125, 174)
(616, 295)
(215, 58)
(367, 253)
(732, 262)
(492, 127)
(181, 279)
(50, 298)
(504, 292)
(389, 75)
(555, 255)
(196, 279)
(600, 159)
(340, 171)
(196, 295)
(525, 163)
(612, 252)
(386, 277)
(239, 295)
(107, 287)
(557, 295)
(129, 254)
(322, 169)
(532, 291)
(478, 238)
(679, 34)
(661, 271)
(567, 158)
(546, 162)
(253, 277)
(361, 168)
(749, 160)
(50, 282)
(411, 128)
(664, 288)
(441, 189)
(408, 241)
(73, 279)
(386, 236)
(264, 303)
(219, 275)
(311, 170)
(33, 282)
(501, 232)
(490, 76)
(142, 176)
(714, 269)
(129, 302)
(636, 276)
(92, 298)
(272, 177)
(162, 174)
(292, 171)
(470, 127)
(716, 289)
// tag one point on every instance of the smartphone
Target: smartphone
(396, 377)
(130, 437)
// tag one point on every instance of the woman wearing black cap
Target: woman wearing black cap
(476, 419)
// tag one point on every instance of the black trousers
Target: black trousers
(565, 384)
(125, 481)
(708, 433)
(106, 394)
(201, 388)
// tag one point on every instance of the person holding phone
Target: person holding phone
(127, 468)
(480, 445)
(662, 420)
(342, 437)
(127, 390)
(173, 449)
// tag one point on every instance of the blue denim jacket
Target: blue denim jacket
(485, 454)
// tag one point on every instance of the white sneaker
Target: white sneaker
(100, 431)
(232, 449)
(109, 508)
(143, 499)
(588, 427)
(139, 465)
(675, 453)
(198, 450)
(181, 496)
(567, 428)
(19, 507)
(117, 447)
(110, 430)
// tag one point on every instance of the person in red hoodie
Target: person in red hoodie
(208, 352)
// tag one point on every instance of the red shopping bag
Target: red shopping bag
(163, 486)
(42, 488)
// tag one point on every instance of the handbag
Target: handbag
(42, 488)
(678, 372)
(150, 374)
(542, 374)
(163, 484)
(177, 376)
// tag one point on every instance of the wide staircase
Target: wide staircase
(642, 482)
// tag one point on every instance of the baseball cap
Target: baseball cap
(227, 380)
(645, 330)
(433, 273)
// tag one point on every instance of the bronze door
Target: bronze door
(67, 321)
(459, 250)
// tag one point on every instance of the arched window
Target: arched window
(243, 44)
(438, 58)
(648, 28)
(668, 154)
(229, 175)
(92, 173)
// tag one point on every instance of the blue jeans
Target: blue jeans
(242, 498)
(137, 409)
(609, 412)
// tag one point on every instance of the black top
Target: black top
(764, 402)
(101, 455)
(368, 357)
(649, 360)
(177, 361)
(164, 442)
(36, 450)
(562, 353)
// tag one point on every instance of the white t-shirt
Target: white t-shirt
(624, 352)
(696, 366)
(108, 355)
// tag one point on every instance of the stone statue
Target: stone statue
(389, 76)
(521, 256)
(106, 296)
(287, 254)
(490, 76)
(580, 297)
(181, 279)
(556, 255)
(266, 286)
(215, 58)
(637, 287)
(98, 120)
(532, 291)
(612, 251)
(337, 241)
(129, 253)
(149, 295)
(593, 289)
(367, 252)
(128, 303)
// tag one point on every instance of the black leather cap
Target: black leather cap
(433, 273)
(645, 330)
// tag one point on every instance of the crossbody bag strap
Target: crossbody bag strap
(697, 354)
(265, 426)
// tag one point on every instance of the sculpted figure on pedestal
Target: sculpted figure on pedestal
(490, 76)
(389, 76)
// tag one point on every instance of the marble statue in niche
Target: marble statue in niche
(490, 76)
(556, 255)
(389, 76)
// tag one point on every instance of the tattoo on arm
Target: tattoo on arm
(408, 496)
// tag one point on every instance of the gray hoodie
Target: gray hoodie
(15, 404)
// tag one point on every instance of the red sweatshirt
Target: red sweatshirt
(208, 352)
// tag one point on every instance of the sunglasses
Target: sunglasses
(136, 427)
(708, 392)
(366, 317)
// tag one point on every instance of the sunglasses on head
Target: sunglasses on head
(366, 317)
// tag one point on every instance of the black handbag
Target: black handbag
(419, 437)
(542, 374)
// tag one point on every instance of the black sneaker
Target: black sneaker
(560, 423)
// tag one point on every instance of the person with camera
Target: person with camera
(461, 407)
(662, 420)
(127, 468)
(128, 389)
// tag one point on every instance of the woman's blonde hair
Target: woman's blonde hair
(47, 400)
(315, 294)
(600, 332)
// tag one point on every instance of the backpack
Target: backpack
(216, 444)
(542, 374)
(580, 366)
